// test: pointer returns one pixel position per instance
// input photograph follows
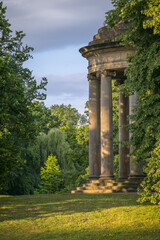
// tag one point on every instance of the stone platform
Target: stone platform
(109, 186)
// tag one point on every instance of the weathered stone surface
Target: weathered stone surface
(109, 35)
(109, 186)
(94, 127)
(106, 127)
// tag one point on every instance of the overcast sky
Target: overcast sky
(56, 29)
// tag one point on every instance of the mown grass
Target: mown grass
(74, 217)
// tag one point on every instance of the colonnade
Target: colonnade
(101, 127)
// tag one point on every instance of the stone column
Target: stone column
(124, 165)
(94, 126)
(136, 169)
(106, 126)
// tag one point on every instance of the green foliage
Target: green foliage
(50, 173)
(66, 115)
(143, 76)
(131, 12)
(18, 89)
(114, 16)
(76, 159)
(82, 135)
(115, 113)
(43, 119)
(58, 146)
(150, 187)
(82, 179)
(146, 82)
(71, 153)
(152, 12)
(87, 110)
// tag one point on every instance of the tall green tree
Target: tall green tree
(143, 76)
(50, 173)
(18, 89)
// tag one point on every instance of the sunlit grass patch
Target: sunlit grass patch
(65, 216)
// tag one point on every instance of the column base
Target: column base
(107, 177)
(136, 176)
(123, 178)
(93, 178)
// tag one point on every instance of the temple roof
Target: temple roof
(106, 38)
(106, 34)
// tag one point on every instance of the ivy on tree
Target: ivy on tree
(143, 76)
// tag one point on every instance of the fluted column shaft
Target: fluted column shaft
(94, 127)
(106, 126)
(136, 169)
(124, 165)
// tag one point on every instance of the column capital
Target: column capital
(108, 73)
(93, 76)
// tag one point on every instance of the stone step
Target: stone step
(123, 190)
(108, 186)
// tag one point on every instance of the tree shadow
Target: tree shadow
(39, 206)
(106, 234)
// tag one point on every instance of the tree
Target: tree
(43, 119)
(143, 76)
(58, 146)
(18, 89)
(50, 173)
(66, 115)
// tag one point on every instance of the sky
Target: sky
(57, 29)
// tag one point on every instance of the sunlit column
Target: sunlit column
(106, 126)
(136, 169)
(94, 126)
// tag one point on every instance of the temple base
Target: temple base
(109, 186)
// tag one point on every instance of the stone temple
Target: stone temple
(107, 61)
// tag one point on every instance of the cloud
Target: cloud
(57, 23)
(74, 85)
(70, 89)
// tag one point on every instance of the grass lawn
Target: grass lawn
(74, 217)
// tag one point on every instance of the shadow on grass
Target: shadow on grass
(106, 234)
(39, 206)
(109, 233)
